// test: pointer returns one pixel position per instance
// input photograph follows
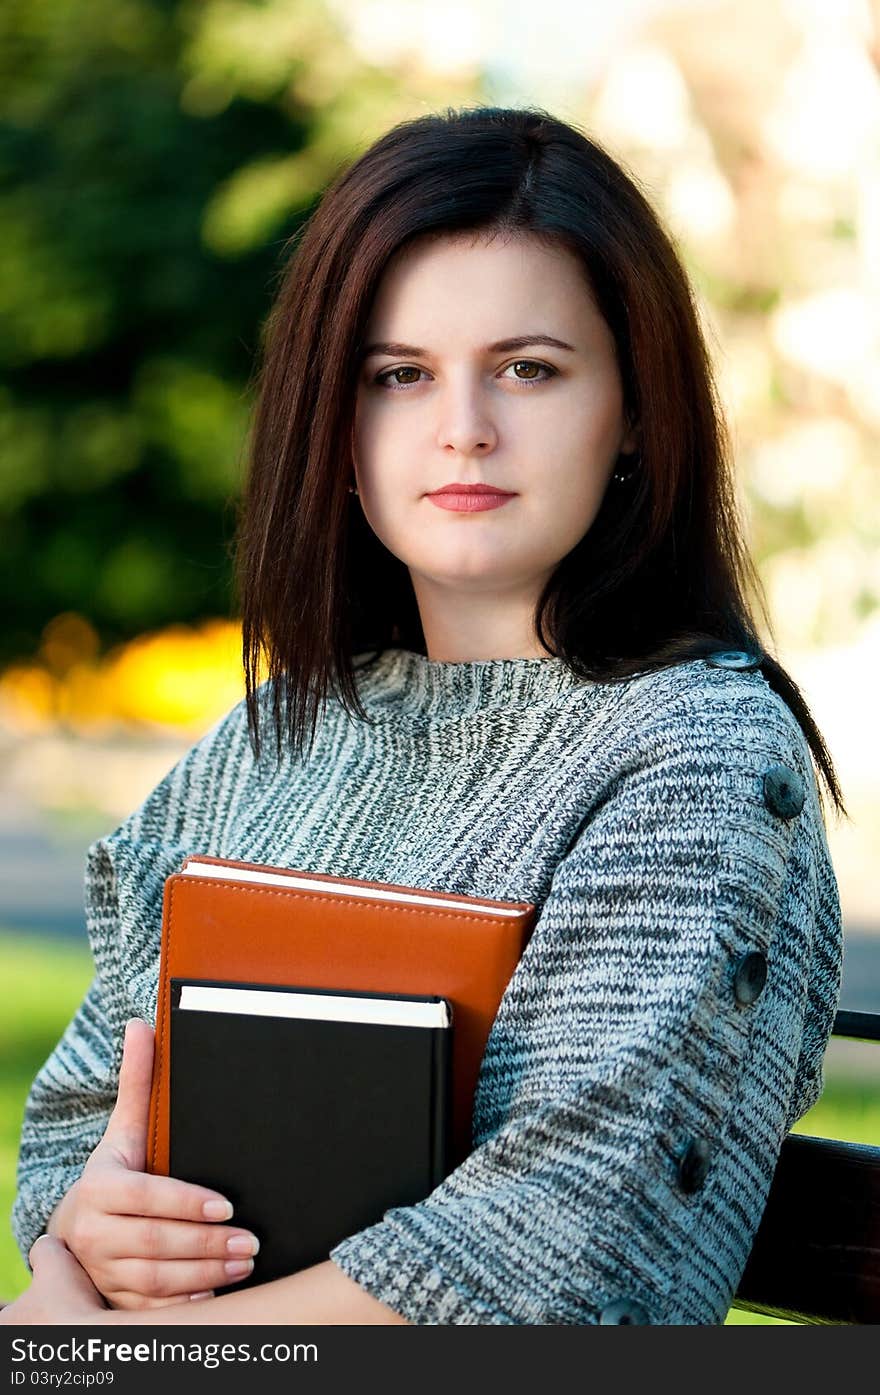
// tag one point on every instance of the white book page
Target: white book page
(245, 874)
(322, 1007)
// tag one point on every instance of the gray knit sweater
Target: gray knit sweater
(638, 1080)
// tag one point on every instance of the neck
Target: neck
(474, 626)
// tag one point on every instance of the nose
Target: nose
(465, 424)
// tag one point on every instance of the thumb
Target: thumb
(50, 1258)
(46, 1249)
(126, 1130)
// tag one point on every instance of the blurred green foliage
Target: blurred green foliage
(155, 156)
(44, 981)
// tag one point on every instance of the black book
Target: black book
(312, 1111)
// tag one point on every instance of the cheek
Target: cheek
(595, 424)
(381, 444)
(578, 452)
(385, 487)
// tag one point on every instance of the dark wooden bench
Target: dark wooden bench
(816, 1256)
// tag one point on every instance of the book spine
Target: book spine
(441, 1151)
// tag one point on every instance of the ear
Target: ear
(631, 440)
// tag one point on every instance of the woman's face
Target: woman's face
(445, 397)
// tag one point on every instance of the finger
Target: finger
(165, 1278)
(132, 1302)
(144, 1237)
(117, 1192)
(126, 1130)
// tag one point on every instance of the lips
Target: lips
(472, 489)
(470, 498)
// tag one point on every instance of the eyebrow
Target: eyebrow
(397, 350)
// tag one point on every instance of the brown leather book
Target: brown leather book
(225, 920)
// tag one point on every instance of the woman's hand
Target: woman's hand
(144, 1240)
(60, 1292)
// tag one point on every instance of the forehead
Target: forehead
(490, 282)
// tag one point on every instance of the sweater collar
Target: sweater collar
(409, 682)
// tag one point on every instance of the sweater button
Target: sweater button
(624, 1311)
(749, 977)
(733, 658)
(693, 1166)
(784, 792)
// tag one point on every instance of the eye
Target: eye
(532, 363)
(383, 379)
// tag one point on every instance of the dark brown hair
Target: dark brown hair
(662, 575)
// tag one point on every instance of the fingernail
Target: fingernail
(217, 1210)
(206, 1293)
(243, 1245)
(237, 1268)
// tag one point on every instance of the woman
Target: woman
(490, 549)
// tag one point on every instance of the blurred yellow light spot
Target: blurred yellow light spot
(27, 698)
(182, 678)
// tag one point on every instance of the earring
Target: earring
(352, 489)
(623, 475)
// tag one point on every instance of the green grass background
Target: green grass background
(44, 980)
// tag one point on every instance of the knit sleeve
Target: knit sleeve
(641, 1074)
(73, 1094)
